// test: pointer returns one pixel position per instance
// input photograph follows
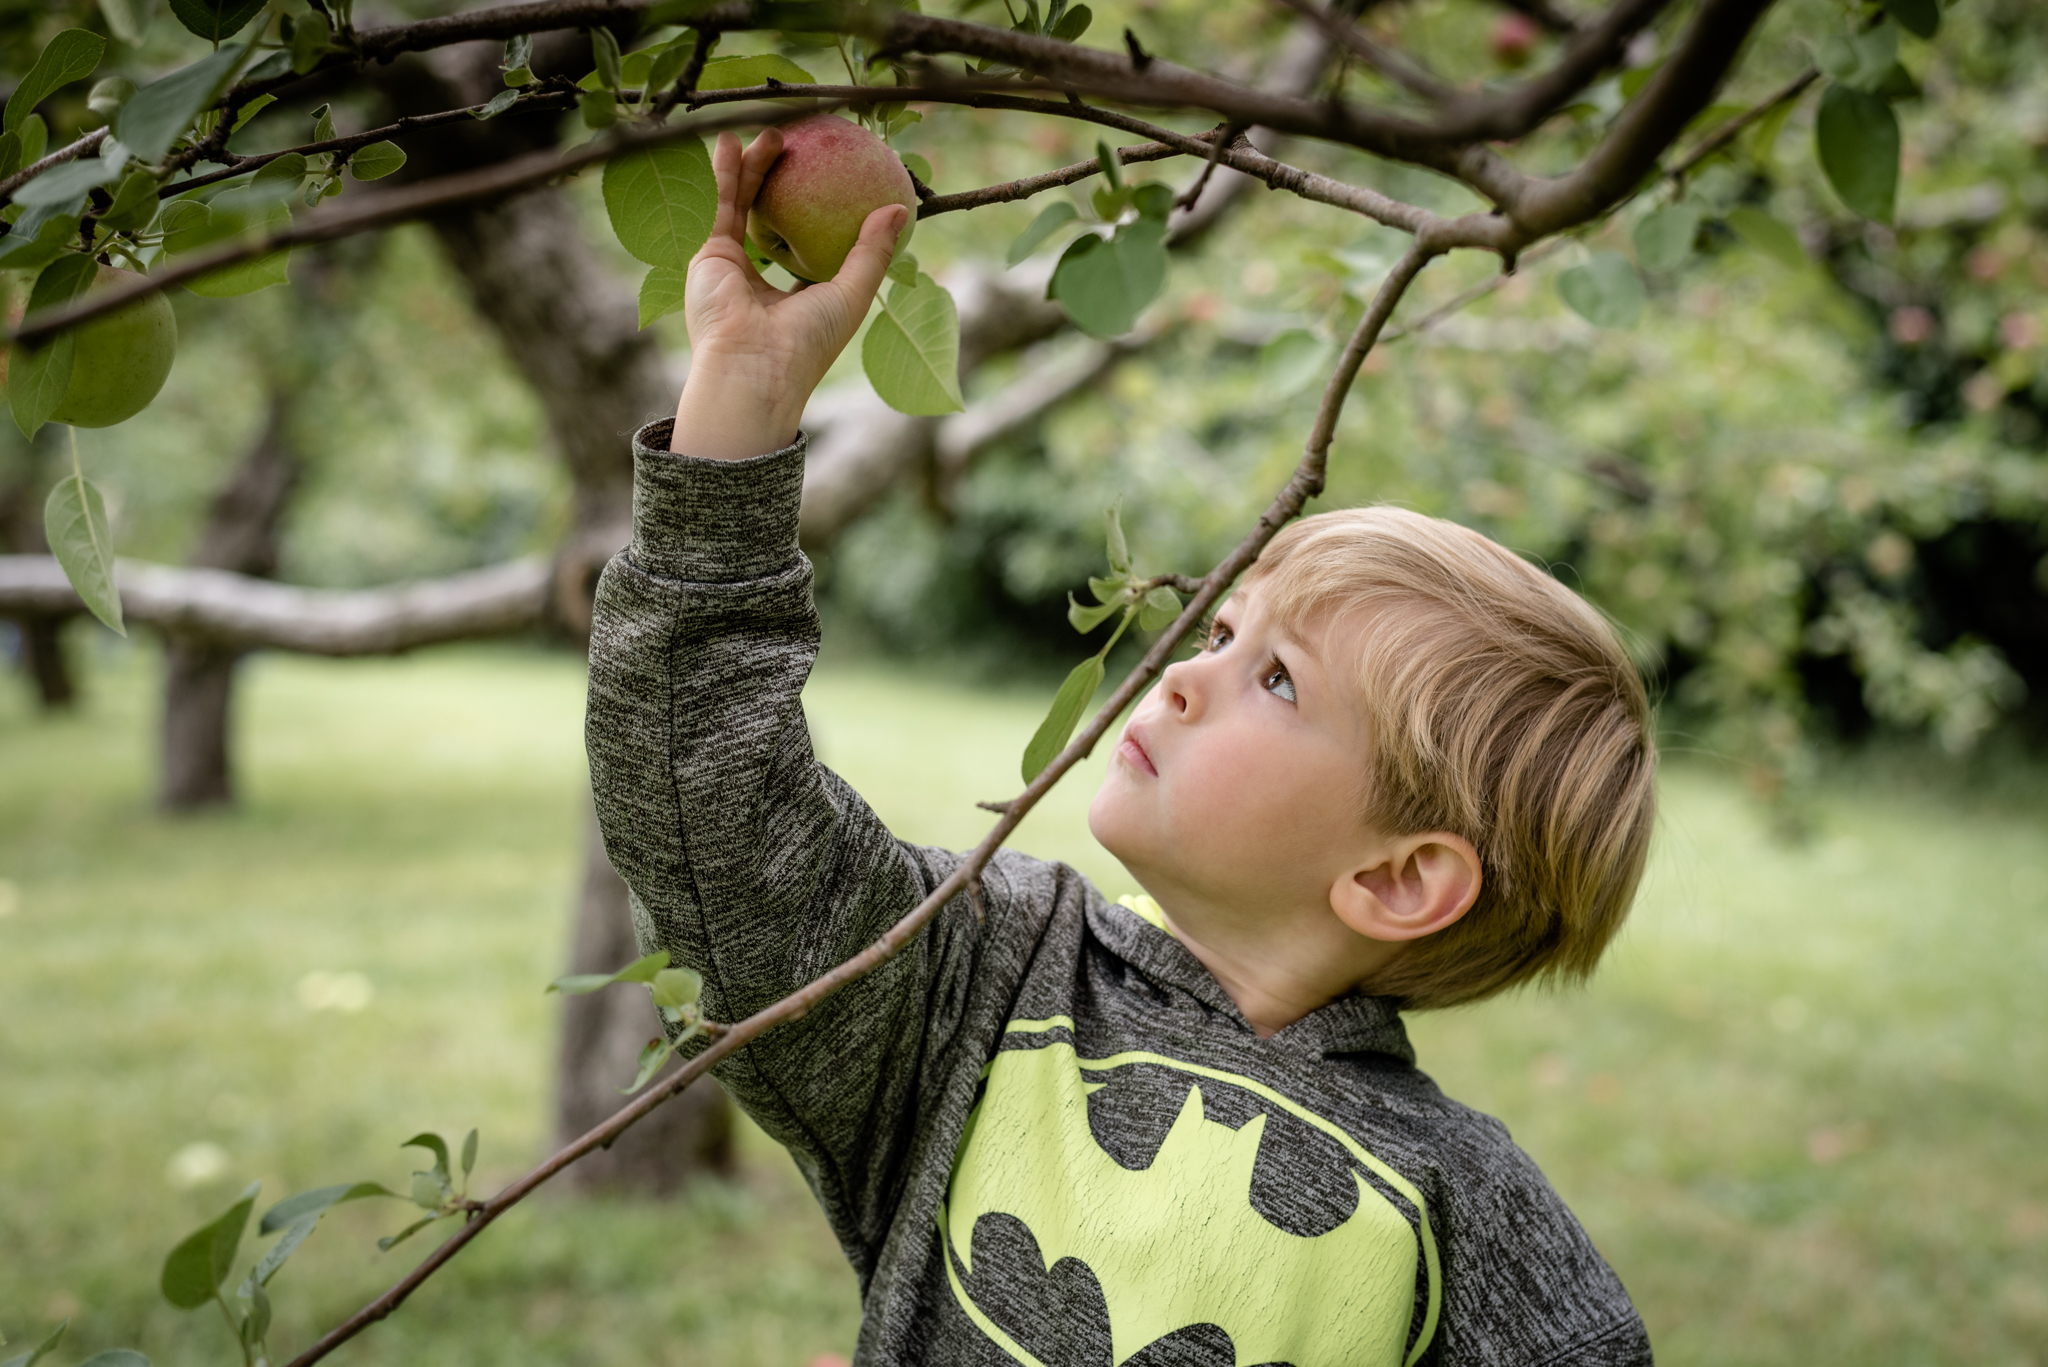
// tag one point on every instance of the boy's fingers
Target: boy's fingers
(726, 162)
(865, 265)
(761, 155)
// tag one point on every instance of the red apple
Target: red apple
(1514, 38)
(831, 175)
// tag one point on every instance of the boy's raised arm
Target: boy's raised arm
(747, 860)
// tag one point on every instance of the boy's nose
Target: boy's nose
(1180, 690)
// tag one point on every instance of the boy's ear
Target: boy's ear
(1410, 886)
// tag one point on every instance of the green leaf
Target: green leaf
(1112, 169)
(633, 68)
(1664, 239)
(66, 181)
(161, 111)
(376, 161)
(1085, 619)
(35, 139)
(238, 216)
(902, 268)
(652, 1056)
(431, 1141)
(257, 1327)
(468, 1155)
(195, 1268)
(1105, 284)
(604, 50)
(323, 123)
(518, 53)
(386, 1244)
(912, 351)
(41, 1350)
(668, 62)
(274, 1257)
(216, 20)
(918, 167)
(10, 153)
(661, 293)
(1159, 609)
(1921, 18)
(116, 1357)
(75, 523)
(1763, 142)
(135, 203)
(1117, 591)
(1857, 135)
(21, 251)
(280, 178)
(107, 96)
(1605, 291)
(38, 377)
(1768, 235)
(662, 202)
(251, 110)
(310, 36)
(643, 969)
(1108, 202)
(1153, 200)
(516, 77)
(1635, 78)
(677, 987)
(315, 1202)
(497, 105)
(1073, 24)
(70, 56)
(429, 1190)
(1113, 528)
(1050, 219)
(741, 73)
(1068, 706)
(129, 19)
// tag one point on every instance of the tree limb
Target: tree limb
(69, 152)
(246, 613)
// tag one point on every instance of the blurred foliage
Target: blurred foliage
(1817, 499)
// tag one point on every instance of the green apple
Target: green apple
(120, 361)
(831, 175)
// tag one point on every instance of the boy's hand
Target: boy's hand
(756, 353)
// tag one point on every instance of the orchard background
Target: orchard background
(1787, 429)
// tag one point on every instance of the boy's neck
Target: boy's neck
(1278, 973)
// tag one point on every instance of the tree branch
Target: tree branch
(244, 612)
(1027, 186)
(68, 152)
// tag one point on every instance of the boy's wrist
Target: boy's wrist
(735, 407)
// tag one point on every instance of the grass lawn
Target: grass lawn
(1802, 1111)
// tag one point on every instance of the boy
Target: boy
(1406, 770)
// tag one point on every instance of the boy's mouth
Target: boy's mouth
(1132, 750)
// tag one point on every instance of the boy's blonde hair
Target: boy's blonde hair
(1503, 709)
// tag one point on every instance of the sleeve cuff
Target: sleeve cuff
(714, 521)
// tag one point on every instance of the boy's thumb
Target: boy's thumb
(871, 255)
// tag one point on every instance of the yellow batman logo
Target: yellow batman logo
(1178, 1243)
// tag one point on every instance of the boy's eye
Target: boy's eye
(1219, 636)
(1276, 681)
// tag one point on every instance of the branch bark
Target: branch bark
(237, 611)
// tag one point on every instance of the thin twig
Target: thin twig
(1226, 135)
(1027, 186)
(68, 152)
(242, 166)
(1341, 30)
(1731, 130)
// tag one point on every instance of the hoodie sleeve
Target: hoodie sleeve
(747, 859)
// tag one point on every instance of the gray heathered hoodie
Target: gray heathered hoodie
(1050, 1137)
